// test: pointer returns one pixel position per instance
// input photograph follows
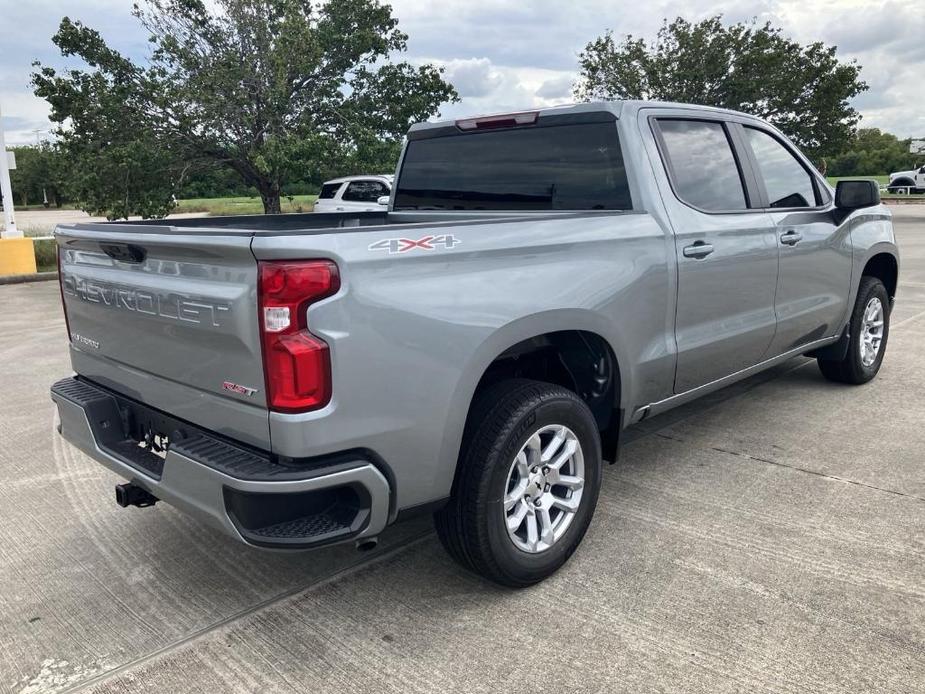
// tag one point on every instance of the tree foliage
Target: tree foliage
(39, 175)
(873, 153)
(268, 88)
(803, 90)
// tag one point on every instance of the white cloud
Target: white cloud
(474, 77)
(557, 87)
(884, 36)
(504, 55)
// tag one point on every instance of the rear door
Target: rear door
(726, 249)
(815, 253)
(328, 200)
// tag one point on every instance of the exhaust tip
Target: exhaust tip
(129, 494)
(367, 544)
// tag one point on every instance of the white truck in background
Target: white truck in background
(908, 181)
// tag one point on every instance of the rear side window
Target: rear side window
(561, 167)
(329, 190)
(702, 166)
(365, 191)
(787, 183)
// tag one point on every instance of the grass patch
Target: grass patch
(882, 180)
(245, 205)
(45, 255)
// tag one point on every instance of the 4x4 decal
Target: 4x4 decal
(425, 243)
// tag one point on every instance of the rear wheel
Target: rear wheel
(527, 484)
(869, 329)
(903, 185)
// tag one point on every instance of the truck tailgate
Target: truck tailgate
(170, 318)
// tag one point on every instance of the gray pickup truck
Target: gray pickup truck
(539, 282)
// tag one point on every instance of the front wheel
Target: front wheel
(869, 329)
(527, 483)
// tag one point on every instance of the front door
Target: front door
(727, 254)
(815, 253)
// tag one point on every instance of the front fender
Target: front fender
(871, 235)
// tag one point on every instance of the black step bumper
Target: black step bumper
(239, 489)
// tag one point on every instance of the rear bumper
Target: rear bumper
(238, 489)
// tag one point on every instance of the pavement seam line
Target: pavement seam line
(907, 320)
(363, 564)
(797, 468)
(241, 614)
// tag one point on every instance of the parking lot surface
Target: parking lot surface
(769, 538)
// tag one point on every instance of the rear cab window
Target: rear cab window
(538, 167)
(702, 165)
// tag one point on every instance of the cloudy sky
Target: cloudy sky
(503, 54)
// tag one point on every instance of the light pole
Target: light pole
(38, 145)
(6, 191)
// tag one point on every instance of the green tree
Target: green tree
(268, 88)
(39, 175)
(803, 90)
(872, 152)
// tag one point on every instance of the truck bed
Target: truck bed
(306, 223)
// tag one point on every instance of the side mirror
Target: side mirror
(853, 195)
(383, 200)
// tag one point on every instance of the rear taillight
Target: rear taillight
(296, 364)
(67, 323)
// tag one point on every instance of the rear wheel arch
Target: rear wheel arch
(582, 361)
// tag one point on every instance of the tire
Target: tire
(498, 445)
(857, 367)
(901, 184)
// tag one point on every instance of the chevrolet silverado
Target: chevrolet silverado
(539, 282)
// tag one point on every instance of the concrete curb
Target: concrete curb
(36, 277)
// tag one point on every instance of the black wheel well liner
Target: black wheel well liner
(883, 266)
(580, 360)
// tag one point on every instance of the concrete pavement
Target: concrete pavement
(768, 538)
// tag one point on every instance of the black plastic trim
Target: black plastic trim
(424, 509)
(232, 458)
(299, 520)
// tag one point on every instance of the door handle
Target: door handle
(791, 237)
(699, 250)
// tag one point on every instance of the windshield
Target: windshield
(562, 167)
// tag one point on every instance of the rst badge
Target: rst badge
(239, 389)
(425, 243)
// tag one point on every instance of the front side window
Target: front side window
(556, 167)
(365, 191)
(703, 167)
(788, 184)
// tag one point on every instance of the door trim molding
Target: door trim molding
(660, 406)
